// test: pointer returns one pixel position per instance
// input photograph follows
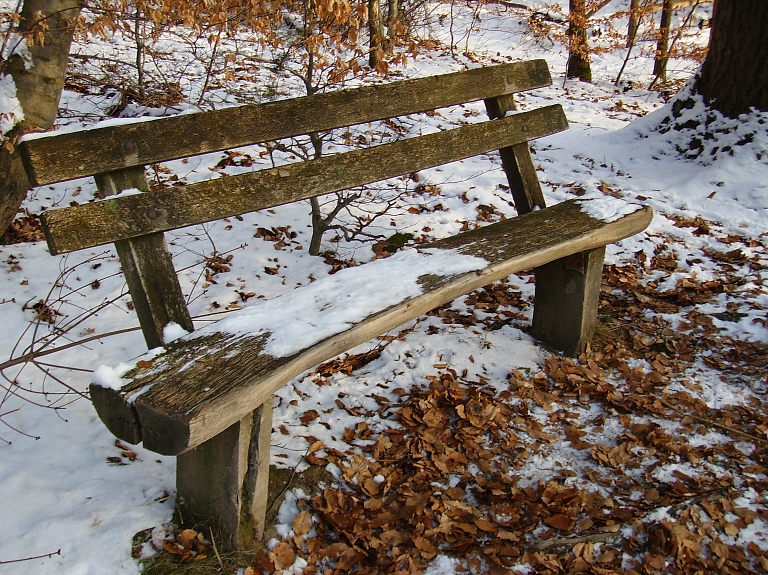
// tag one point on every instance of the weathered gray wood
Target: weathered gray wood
(155, 290)
(209, 480)
(567, 293)
(517, 161)
(147, 266)
(182, 410)
(120, 417)
(113, 183)
(255, 491)
(65, 156)
(70, 229)
(224, 482)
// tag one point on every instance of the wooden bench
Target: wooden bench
(208, 397)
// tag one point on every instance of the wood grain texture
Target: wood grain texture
(153, 285)
(255, 487)
(567, 294)
(209, 481)
(65, 156)
(148, 268)
(225, 376)
(517, 162)
(118, 218)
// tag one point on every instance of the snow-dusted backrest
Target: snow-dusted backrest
(116, 155)
(104, 150)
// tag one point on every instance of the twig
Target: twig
(208, 76)
(67, 367)
(27, 357)
(287, 483)
(711, 422)
(216, 551)
(597, 8)
(10, 412)
(47, 555)
(565, 544)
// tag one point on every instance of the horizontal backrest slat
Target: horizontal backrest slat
(65, 156)
(118, 218)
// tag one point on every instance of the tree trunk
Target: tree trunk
(634, 22)
(578, 47)
(319, 223)
(393, 15)
(375, 32)
(662, 45)
(734, 76)
(38, 89)
(318, 227)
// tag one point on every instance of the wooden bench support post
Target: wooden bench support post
(154, 287)
(517, 162)
(255, 489)
(567, 290)
(226, 479)
(567, 294)
(147, 266)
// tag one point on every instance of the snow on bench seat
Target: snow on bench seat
(206, 381)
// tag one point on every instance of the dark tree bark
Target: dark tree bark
(662, 45)
(634, 22)
(375, 32)
(578, 47)
(734, 76)
(38, 89)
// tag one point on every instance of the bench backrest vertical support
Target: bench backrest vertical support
(147, 265)
(567, 290)
(517, 162)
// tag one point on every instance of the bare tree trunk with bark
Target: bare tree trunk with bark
(662, 45)
(375, 32)
(578, 47)
(634, 22)
(734, 77)
(393, 16)
(38, 87)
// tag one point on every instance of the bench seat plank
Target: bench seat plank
(210, 379)
(97, 223)
(58, 157)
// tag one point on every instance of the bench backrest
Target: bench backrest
(116, 156)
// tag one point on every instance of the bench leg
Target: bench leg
(567, 294)
(223, 483)
(255, 492)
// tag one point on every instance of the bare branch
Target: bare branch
(47, 555)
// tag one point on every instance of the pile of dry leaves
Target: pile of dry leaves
(650, 478)
(450, 480)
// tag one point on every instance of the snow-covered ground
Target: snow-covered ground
(71, 493)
